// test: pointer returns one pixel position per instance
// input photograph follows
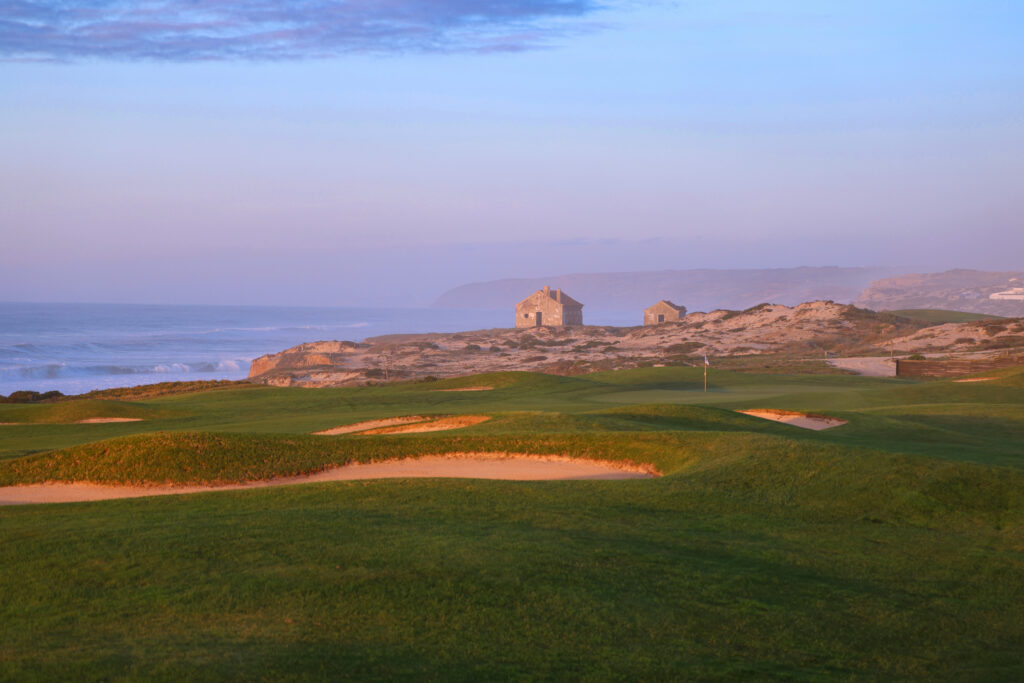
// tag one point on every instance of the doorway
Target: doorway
(539, 319)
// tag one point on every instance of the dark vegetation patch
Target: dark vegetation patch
(993, 328)
(1007, 341)
(31, 396)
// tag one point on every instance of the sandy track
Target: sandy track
(975, 379)
(505, 466)
(86, 421)
(480, 388)
(872, 366)
(803, 420)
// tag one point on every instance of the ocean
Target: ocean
(75, 348)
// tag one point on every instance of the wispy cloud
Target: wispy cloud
(193, 30)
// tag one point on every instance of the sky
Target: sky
(378, 152)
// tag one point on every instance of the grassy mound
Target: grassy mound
(938, 316)
(166, 389)
(65, 412)
(205, 458)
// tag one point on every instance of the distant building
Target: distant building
(663, 312)
(545, 308)
(1012, 294)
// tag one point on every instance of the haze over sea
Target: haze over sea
(75, 348)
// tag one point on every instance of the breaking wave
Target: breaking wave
(61, 370)
(76, 348)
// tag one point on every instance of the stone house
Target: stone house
(1012, 294)
(663, 312)
(545, 308)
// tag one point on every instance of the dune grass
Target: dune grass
(887, 548)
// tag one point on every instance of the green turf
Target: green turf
(889, 548)
(939, 316)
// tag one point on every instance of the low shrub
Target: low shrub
(30, 396)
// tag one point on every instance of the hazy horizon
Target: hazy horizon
(342, 153)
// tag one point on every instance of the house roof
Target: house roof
(667, 303)
(566, 299)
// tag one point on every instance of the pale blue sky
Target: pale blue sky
(165, 165)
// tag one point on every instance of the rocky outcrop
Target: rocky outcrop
(809, 329)
(305, 357)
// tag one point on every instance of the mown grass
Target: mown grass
(889, 548)
(938, 316)
(788, 564)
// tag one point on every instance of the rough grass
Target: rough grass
(203, 458)
(68, 412)
(163, 389)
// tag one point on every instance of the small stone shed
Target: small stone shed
(663, 312)
(546, 308)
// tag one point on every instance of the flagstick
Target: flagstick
(705, 376)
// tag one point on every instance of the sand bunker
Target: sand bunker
(976, 379)
(506, 466)
(481, 388)
(408, 425)
(439, 425)
(87, 421)
(372, 424)
(804, 420)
